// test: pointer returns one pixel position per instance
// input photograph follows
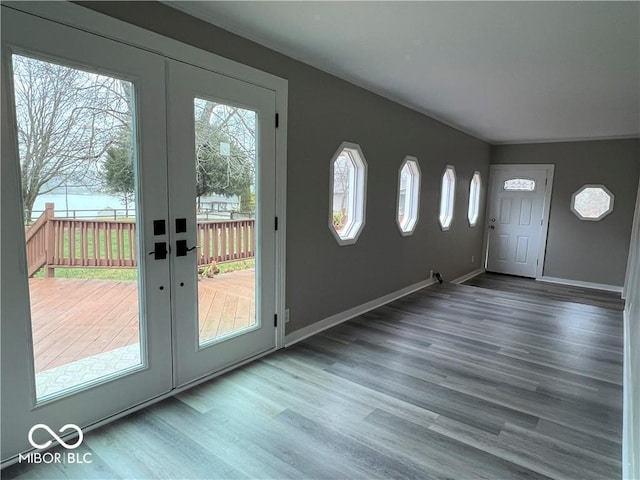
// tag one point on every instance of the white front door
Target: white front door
(517, 218)
(218, 124)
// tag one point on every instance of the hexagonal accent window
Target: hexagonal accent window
(474, 199)
(408, 195)
(447, 197)
(592, 202)
(348, 193)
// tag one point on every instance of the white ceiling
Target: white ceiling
(503, 71)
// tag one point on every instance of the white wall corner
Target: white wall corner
(631, 373)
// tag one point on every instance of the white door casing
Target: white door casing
(517, 219)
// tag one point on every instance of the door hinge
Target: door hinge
(276, 223)
(546, 182)
(275, 319)
(277, 120)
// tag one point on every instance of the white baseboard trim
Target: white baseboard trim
(578, 283)
(468, 276)
(338, 318)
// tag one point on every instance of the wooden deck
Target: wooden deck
(77, 318)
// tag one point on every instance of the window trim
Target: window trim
(476, 199)
(445, 224)
(572, 205)
(359, 194)
(414, 207)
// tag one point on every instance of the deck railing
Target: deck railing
(65, 242)
(39, 241)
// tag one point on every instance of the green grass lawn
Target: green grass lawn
(100, 243)
(131, 273)
(95, 273)
(234, 266)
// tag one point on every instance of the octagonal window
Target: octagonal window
(348, 193)
(592, 202)
(474, 199)
(447, 197)
(408, 195)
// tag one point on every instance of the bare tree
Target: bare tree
(66, 118)
(343, 175)
(225, 150)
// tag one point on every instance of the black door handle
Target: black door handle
(159, 251)
(181, 248)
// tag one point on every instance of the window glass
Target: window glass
(592, 202)
(408, 196)
(348, 193)
(447, 197)
(474, 199)
(520, 185)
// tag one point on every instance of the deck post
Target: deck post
(49, 239)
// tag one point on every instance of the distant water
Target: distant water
(83, 204)
(92, 205)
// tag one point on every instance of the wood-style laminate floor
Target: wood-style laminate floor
(452, 381)
(553, 291)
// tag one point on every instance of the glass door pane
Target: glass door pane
(225, 158)
(78, 158)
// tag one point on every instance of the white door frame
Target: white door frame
(542, 247)
(84, 19)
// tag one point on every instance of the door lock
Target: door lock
(181, 248)
(159, 251)
(181, 225)
(159, 227)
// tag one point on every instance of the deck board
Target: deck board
(74, 319)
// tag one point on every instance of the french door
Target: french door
(221, 126)
(138, 249)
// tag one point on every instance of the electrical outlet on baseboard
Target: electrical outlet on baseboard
(430, 273)
(286, 315)
(473, 258)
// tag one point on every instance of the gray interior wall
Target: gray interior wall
(576, 249)
(323, 278)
